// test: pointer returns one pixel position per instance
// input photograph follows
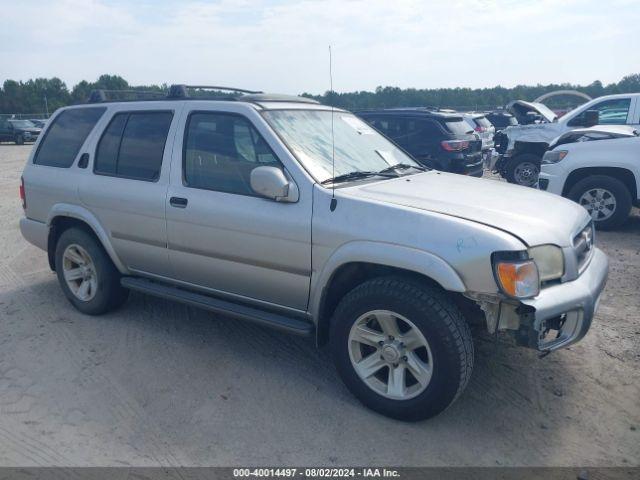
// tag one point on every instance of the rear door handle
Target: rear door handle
(178, 202)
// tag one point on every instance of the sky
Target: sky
(282, 46)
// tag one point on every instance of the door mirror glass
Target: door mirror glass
(271, 182)
(591, 118)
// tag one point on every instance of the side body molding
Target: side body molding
(81, 213)
(388, 254)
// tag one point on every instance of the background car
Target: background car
(38, 122)
(521, 147)
(485, 131)
(438, 139)
(599, 169)
(18, 131)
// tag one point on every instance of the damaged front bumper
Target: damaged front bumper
(558, 317)
(562, 314)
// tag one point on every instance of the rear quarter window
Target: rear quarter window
(457, 127)
(65, 136)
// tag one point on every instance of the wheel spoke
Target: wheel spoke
(370, 365)
(73, 274)
(420, 370)
(83, 289)
(389, 324)
(395, 384)
(412, 339)
(75, 256)
(365, 335)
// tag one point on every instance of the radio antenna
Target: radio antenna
(334, 202)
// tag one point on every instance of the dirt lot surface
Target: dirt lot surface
(157, 383)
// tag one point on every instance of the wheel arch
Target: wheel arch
(533, 148)
(358, 262)
(625, 175)
(63, 217)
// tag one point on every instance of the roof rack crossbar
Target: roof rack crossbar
(180, 91)
(101, 95)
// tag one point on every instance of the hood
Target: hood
(535, 217)
(520, 108)
(599, 132)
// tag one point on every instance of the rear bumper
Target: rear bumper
(570, 306)
(34, 232)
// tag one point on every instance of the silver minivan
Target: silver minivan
(281, 211)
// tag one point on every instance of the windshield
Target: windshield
(22, 123)
(358, 147)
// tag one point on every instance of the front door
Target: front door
(224, 237)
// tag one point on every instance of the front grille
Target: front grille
(583, 246)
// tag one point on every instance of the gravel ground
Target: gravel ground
(157, 383)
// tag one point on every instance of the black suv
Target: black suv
(437, 139)
(18, 131)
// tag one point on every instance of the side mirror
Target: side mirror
(271, 182)
(591, 118)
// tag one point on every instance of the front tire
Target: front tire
(19, 140)
(401, 347)
(605, 198)
(86, 274)
(523, 169)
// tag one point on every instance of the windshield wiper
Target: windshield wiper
(355, 176)
(401, 166)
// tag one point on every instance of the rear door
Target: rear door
(127, 179)
(222, 236)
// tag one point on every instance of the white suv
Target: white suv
(600, 170)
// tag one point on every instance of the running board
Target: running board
(284, 323)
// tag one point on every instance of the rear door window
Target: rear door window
(133, 144)
(65, 136)
(457, 126)
(421, 133)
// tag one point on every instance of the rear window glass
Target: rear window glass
(483, 122)
(457, 127)
(133, 145)
(65, 136)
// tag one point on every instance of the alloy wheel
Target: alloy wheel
(390, 354)
(599, 203)
(79, 272)
(526, 173)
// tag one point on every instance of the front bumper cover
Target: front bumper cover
(562, 314)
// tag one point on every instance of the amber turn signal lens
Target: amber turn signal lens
(518, 279)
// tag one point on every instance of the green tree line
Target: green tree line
(47, 94)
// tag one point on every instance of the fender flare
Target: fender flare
(81, 213)
(387, 254)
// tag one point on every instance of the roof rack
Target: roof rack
(194, 92)
(182, 91)
(102, 95)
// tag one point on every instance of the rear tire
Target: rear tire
(19, 139)
(445, 350)
(86, 274)
(523, 169)
(607, 200)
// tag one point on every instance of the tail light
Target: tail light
(455, 145)
(23, 198)
(480, 129)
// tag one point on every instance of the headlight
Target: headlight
(550, 261)
(554, 156)
(517, 278)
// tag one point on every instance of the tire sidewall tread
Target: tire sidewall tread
(440, 321)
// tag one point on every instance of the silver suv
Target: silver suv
(288, 213)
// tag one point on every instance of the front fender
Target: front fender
(81, 213)
(388, 254)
